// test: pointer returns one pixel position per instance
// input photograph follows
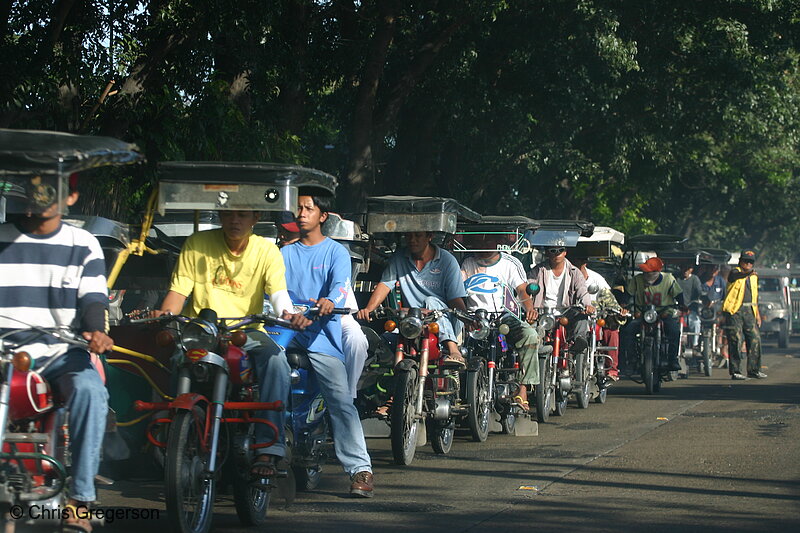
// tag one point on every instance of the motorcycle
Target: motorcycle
(492, 378)
(422, 388)
(33, 429)
(703, 357)
(599, 359)
(653, 349)
(308, 428)
(215, 387)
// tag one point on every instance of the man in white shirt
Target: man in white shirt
(491, 279)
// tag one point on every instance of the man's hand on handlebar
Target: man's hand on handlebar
(590, 309)
(531, 315)
(157, 313)
(298, 320)
(99, 342)
(324, 306)
(363, 314)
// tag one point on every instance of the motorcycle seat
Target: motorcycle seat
(298, 359)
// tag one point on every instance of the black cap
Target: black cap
(748, 255)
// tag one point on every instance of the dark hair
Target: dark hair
(325, 203)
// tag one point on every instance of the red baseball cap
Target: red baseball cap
(654, 264)
(287, 221)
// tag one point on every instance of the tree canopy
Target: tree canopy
(677, 116)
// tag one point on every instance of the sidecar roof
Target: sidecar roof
(399, 214)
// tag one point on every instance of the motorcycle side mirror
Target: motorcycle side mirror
(533, 288)
(594, 288)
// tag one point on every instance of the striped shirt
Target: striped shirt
(48, 281)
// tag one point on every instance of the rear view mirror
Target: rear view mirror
(533, 288)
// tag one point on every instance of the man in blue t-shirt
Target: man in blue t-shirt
(429, 278)
(318, 272)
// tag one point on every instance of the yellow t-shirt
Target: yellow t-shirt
(231, 285)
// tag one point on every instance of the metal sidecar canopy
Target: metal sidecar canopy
(217, 185)
(605, 242)
(399, 214)
(30, 152)
(559, 232)
(513, 226)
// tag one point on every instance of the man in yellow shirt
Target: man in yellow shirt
(742, 320)
(229, 270)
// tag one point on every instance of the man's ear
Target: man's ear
(72, 197)
(323, 217)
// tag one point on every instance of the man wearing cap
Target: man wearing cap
(740, 310)
(661, 289)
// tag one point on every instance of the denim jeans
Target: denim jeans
(348, 435)
(693, 326)
(355, 346)
(449, 326)
(76, 382)
(274, 382)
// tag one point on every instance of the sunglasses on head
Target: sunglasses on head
(555, 251)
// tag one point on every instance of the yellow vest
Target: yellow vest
(734, 297)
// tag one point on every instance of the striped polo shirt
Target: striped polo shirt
(47, 281)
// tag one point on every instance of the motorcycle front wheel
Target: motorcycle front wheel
(544, 391)
(441, 435)
(251, 502)
(479, 400)
(649, 372)
(508, 423)
(188, 492)
(583, 394)
(403, 417)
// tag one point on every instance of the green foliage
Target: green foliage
(678, 116)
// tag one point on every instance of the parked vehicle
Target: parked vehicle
(775, 304)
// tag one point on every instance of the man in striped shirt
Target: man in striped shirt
(52, 275)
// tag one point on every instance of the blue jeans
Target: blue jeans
(274, 382)
(348, 435)
(693, 326)
(449, 326)
(76, 382)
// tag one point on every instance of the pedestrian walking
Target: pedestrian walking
(742, 320)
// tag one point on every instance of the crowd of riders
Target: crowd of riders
(230, 269)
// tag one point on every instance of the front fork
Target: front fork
(217, 400)
(423, 372)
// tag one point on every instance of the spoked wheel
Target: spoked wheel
(508, 422)
(649, 372)
(707, 356)
(402, 415)
(544, 391)
(250, 498)
(583, 393)
(479, 401)
(441, 435)
(189, 493)
(560, 406)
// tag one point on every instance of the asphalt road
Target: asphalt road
(706, 454)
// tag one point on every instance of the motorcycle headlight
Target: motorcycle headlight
(547, 322)
(411, 327)
(199, 335)
(707, 313)
(481, 332)
(770, 306)
(650, 316)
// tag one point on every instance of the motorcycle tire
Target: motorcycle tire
(649, 371)
(560, 406)
(508, 423)
(544, 391)
(251, 503)
(707, 356)
(583, 394)
(602, 395)
(441, 435)
(479, 401)
(404, 424)
(783, 335)
(188, 511)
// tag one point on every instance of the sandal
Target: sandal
(382, 412)
(524, 404)
(263, 468)
(73, 523)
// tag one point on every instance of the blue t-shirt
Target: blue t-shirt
(440, 277)
(717, 289)
(319, 271)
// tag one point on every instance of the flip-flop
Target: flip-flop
(80, 525)
(263, 469)
(526, 406)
